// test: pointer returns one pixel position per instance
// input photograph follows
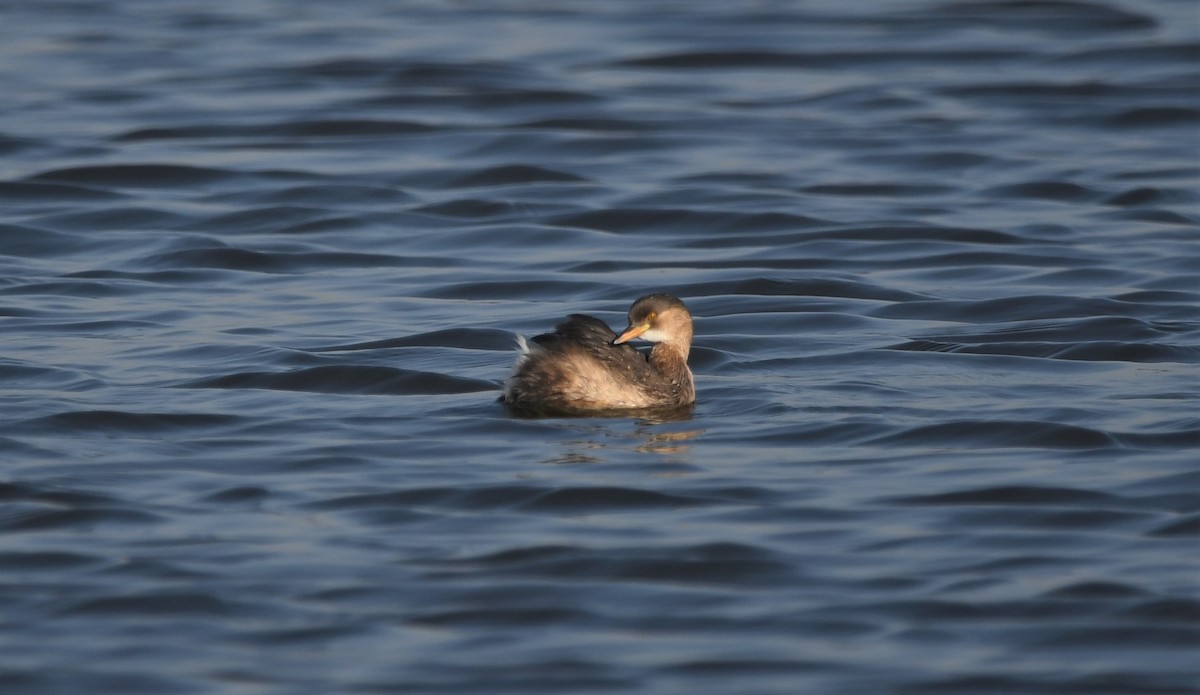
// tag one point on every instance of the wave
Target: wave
(347, 379)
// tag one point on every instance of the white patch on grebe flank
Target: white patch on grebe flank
(524, 350)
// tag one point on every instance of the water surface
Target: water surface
(261, 265)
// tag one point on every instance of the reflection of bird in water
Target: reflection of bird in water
(583, 367)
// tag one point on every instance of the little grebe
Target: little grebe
(584, 367)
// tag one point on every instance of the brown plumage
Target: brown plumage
(583, 367)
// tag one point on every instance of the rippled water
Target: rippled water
(261, 264)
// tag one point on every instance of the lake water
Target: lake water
(262, 263)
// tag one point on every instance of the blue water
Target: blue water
(262, 263)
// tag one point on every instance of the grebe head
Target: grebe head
(659, 318)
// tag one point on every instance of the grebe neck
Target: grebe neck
(670, 351)
(670, 359)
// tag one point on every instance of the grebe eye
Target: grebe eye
(651, 316)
